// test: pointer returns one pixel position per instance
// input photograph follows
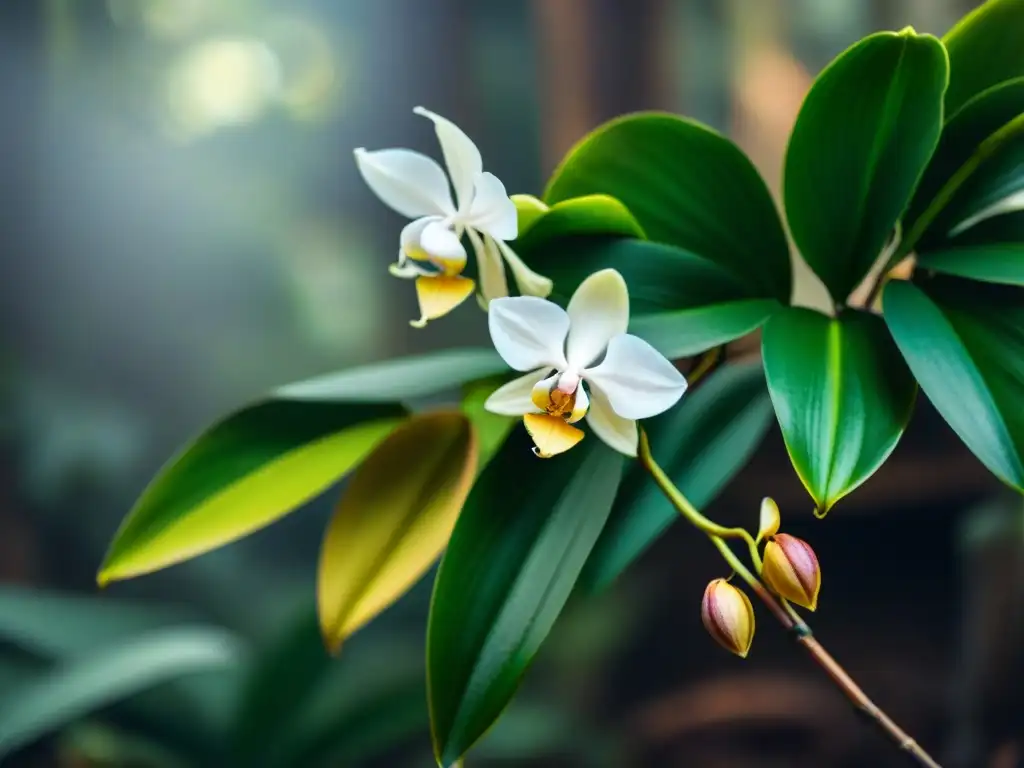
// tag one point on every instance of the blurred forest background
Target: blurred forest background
(183, 228)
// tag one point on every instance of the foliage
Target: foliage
(906, 147)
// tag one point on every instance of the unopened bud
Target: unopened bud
(791, 570)
(728, 616)
(770, 519)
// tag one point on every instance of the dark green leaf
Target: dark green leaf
(994, 188)
(687, 186)
(842, 394)
(517, 550)
(277, 684)
(966, 138)
(679, 302)
(701, 444)
(984, 49)
(965, 344)
(300, 707)
(92, 682)
(861, 141)
(991, 251)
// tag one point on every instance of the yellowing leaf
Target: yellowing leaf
(242, 474)
(394, 520)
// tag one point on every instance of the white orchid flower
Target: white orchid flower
(431, 250)
(581, 362)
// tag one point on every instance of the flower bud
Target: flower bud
(791, 570)
(770, 519)
(728, 616)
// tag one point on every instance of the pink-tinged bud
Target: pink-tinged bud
(728, 616)
(791, 570)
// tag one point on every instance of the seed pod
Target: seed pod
(728, 616)
(791, 570)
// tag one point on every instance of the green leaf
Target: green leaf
(367, 702)
(701, 444)
(679, 302)
(687, 186)
(301, 707)
(967, 137)
(965, 344)
(861, 141)
(991, 263)
(991, 251)
(393, 520)
(56, 626)
(243, 474)
(579, 216)
(993, 188)
(266, 460)
(687, 332)
(491, 428)
(95, 681)
(984, 49)
(403, 379)
(280, 679)
(842, 394)
(515, 555)
(529, 210)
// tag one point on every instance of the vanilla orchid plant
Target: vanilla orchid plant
(666, 219)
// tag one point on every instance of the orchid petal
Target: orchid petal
(410, 183)
(460, 155)
(440, 294)
(493, 282)
(492, 211)
(636, 379)
(443, 247)
(541, 394)
(412, 235)
(528, 281)
(581, 406)
(406, 268)
(598, 311)
(617, 432)
(528, 332)
(514, 398)
(551, 435)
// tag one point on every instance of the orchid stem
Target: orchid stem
(784, 613)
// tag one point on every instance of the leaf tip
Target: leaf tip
(104, 577)
(332, 640)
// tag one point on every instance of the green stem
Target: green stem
(780, 609)
(688, 511)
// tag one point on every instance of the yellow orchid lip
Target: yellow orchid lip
(551, 435)
(440, 294)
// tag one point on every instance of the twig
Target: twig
(783, 611)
